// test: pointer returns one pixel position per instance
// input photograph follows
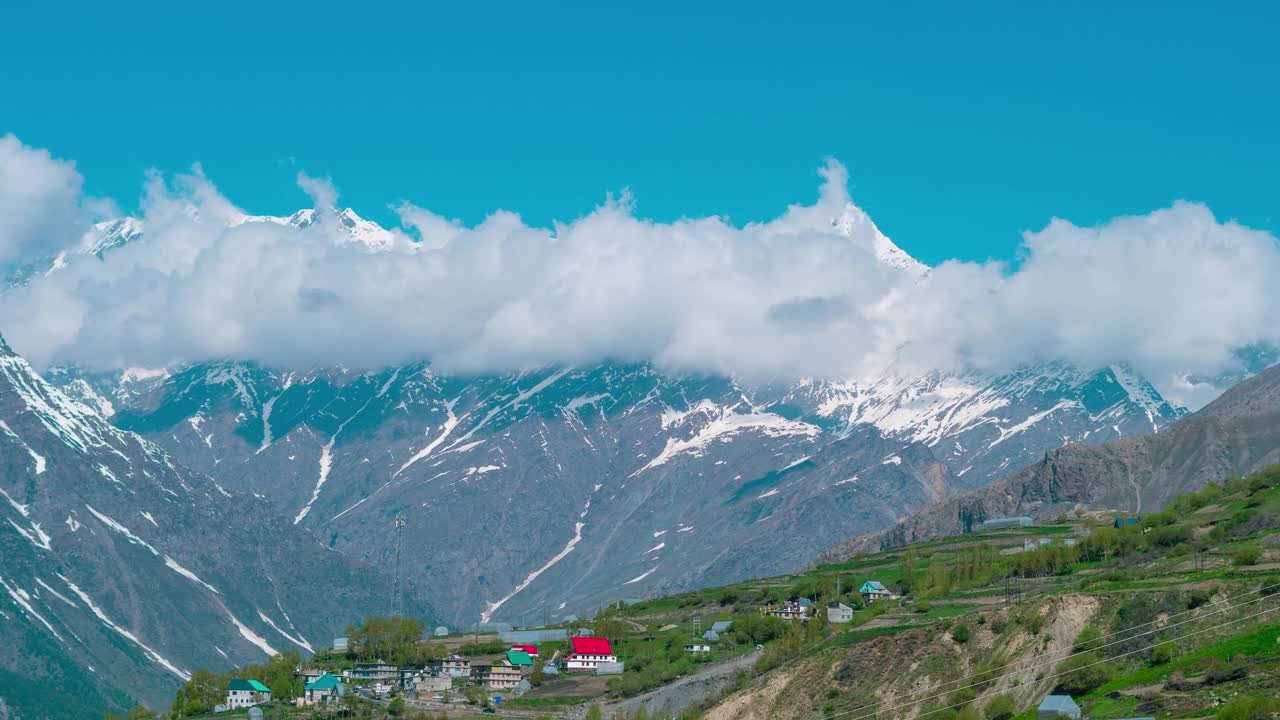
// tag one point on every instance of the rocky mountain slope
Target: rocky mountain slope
(556, 490)
(1234, 435)
(123, 571)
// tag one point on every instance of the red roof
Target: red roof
(591, 646)
(531, 649)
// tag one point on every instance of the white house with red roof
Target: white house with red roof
(589, 653)
(532, 650)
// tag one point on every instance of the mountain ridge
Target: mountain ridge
(1232, 436)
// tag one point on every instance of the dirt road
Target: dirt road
(709, 682)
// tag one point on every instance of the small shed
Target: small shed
(441, 631)
(550, 671)
(1058, 706)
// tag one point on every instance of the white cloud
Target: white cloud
(1170, 293)
(41, 206)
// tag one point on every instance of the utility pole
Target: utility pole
(397, 606)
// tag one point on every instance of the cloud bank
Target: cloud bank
(40, 201)
(807, 294)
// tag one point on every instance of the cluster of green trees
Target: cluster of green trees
(205, 689)
(394, 639)
(651, 664)
(969, 567)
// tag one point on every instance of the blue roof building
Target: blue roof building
(1058, 706)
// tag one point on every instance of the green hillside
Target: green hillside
(1173, 616)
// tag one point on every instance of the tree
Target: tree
(593, 713)
(1001, 707)
(396, 707)
(1247, 555)
(960, 633)
(908, 570)
(1082, 674)
(199, 694)
(1161, 654)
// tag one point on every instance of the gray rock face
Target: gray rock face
(1236, 434)
(124, 571)
(552, 492)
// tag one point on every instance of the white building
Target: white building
(589, 653)
(839, 613)
(246, 693)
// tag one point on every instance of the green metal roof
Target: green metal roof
(324, 682)
(247, 685)
(519, 657)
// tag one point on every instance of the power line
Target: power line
(1082, 667)
(1226, 602)
(988, 677)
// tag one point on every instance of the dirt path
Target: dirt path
(672, 699)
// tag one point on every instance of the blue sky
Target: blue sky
(961, 126)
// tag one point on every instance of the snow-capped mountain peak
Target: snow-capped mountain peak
(854, 222)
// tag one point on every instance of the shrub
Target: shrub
(1248, 708)
(968, 713)
(1171, 535)
(1199, 596)
(922, 607)
(960, 633)
(1001, 707)
(1225, 672)
(1247, 555)
(1271, 585)
(1082, 674)
(1161, 654)
(1087, 639)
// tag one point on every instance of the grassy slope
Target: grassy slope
(911, 645)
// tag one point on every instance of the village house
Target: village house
(588, 653)
(376, 671)
(1058, 706)
(431, 683)
(532, 650)
(697, 648)
(520, 660)
(322, 691)
(873, 590)
(499, 676)
(309, 674)
(839, 613)
(455, 666)
(788, 611)
(246, 693)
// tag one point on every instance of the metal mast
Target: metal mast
(397, 605)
